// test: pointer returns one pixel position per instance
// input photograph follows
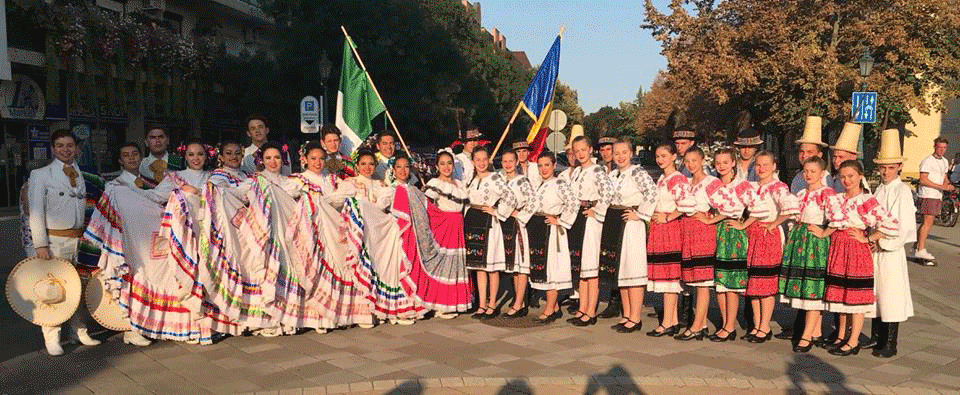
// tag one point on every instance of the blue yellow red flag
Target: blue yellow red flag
(536, 102)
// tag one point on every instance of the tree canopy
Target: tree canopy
(782, 60)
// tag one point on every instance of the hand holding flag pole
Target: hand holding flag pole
(374, 86)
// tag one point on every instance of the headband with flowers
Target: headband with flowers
(284, 151)
(210, 150)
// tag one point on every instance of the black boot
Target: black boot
(792, 332)
(889, 349)
(876, 334)
(614, 308)
(685, 313)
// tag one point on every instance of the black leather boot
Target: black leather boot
(614, 308)
(876, 327)
(685, 313)
(889, 348)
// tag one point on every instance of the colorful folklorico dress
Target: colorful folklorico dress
(517, 252)
(482, 233)
(765, 252)
(730, 272)
(592, 187)
(337, 295)
(382, 269)
(235, 268)
(665, 243)
(698, 255)
(441, 278)
(849, 282)
(135, 268)
(623, 261)
(549, 255)
(805, 255)
(278, 238)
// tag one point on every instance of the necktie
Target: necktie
(158, 167)
(72, 173)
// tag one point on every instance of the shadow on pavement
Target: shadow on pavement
(616, 381)
(515, 386)
(807, 368)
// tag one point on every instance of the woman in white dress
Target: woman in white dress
(521, 191)
(548, 215)
(229, 172)
(489, 203)
(591, 185)
(632, 203)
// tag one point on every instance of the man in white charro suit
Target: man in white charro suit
(56, 198)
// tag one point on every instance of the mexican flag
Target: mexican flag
(357, 102)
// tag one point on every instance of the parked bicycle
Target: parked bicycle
(949, 211)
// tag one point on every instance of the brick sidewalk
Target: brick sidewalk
(468, 356)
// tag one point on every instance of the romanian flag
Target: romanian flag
(538, 101)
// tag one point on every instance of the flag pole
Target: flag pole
(375, 91)
(506, 130)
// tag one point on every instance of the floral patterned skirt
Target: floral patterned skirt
(730, 273)
(804, 269)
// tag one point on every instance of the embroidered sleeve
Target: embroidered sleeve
(645, 183)
(835, 211)
(751, 200)
(507, 202)
(877, 217)
(786, 201)
(715, 194)
(525, 200)
(571, 205)
(605, 189)
(679, 189)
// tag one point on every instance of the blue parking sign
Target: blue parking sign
(864, 107)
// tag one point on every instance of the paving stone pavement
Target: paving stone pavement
(465, 356)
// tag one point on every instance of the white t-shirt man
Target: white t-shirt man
(936, 169)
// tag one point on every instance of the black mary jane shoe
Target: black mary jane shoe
(629, 329)
(666, 331)
(802, 349)
(688, 335)
(619, 324)
(518, 313)
(550, 318)
(480, 314)
(588, 322)
(749, 335)
(493, 314)
(839, 351)
(817, 341)
(731, 336)
(576, 316)
(761, 339)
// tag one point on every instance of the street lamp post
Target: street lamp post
(866, 67)
(325, 67)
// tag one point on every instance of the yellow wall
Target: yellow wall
(918, 140)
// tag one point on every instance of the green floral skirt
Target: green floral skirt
(730, 273)
(804, 268)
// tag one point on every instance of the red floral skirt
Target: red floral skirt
(699, 249)
(664, 251)
(849, 279)
(764, 255)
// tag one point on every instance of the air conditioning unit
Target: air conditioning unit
(154, 5)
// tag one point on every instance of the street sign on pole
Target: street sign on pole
(309, 115)
(864, 107)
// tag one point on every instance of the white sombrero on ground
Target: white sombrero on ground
(103, 307)
(45, 292)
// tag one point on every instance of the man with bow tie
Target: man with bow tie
(154, 167)
(56, 204)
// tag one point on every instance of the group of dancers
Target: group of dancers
(248, 247)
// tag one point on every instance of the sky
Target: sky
(604, 55)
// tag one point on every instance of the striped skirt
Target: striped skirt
(698, 252)
(804, 269)
(764, 255)
(849, 281)
(730, 273)
(664, 246)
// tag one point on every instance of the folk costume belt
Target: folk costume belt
(588, 203)
(616, 207)
(71, 233)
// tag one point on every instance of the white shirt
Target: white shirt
(814, 205)
(553, 197)
(463, 159)
(591, 184)
(936, 170)
(633, 187)
(449, 196)
(249, 164)
(492, 191)
(54, 203)
(673, 192)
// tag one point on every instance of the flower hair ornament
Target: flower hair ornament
(284, 157)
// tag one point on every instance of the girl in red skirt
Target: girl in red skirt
(699, 226)
(849, 282)
(765, 250)
(665, 241)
